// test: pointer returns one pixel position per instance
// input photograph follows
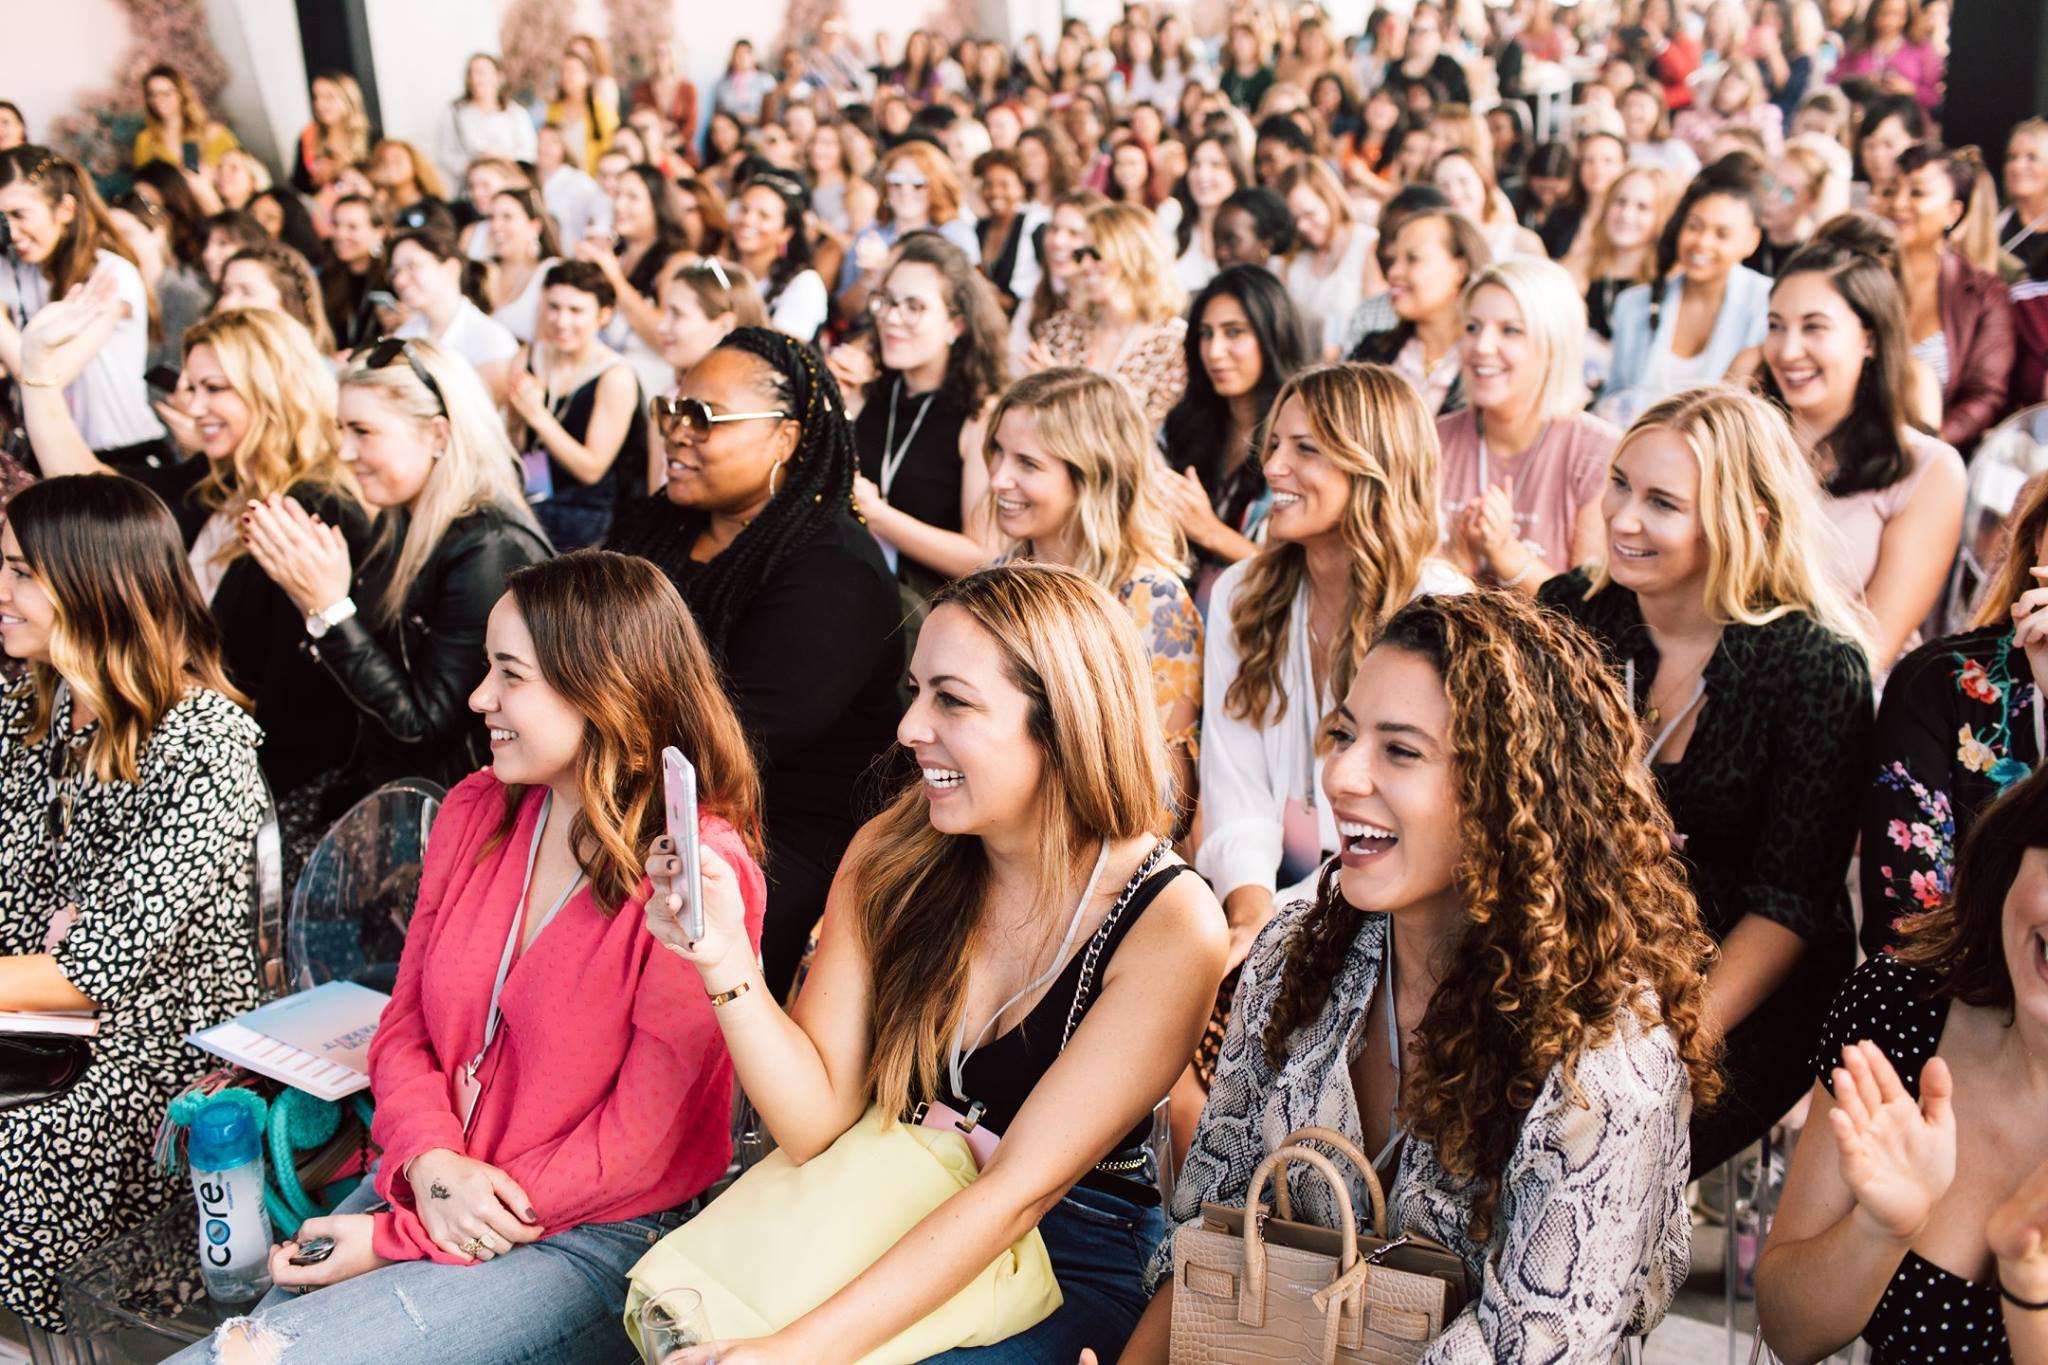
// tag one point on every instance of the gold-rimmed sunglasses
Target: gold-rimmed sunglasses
(674, 416)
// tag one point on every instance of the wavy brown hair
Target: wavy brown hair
(1577, 907)
(133, 634)
(920, 895)
(1370, 423)
(978, 363)
(612, 636)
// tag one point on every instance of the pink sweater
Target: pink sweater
(608, 1093)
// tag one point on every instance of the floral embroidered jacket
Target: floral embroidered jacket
(1960, 723)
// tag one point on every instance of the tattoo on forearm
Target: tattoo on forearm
(438, 1190)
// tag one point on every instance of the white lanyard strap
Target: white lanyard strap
(957, 1060)
(1394, 1133)
(894, 455)
(493, 1015)
(2040, 732)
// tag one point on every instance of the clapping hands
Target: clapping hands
(1898, 1155)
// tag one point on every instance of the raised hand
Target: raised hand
(2030, 621)
(1898, 1156)
(65, 334)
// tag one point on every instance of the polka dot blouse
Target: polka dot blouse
(1927, 1313)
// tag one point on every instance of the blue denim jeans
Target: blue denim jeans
(1099, 1245)
(558, 1300)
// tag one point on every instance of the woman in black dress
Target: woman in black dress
(1749, 670)
(756, 527)
(1916, 1212)
(1961, 722)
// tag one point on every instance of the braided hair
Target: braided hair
(816, 484)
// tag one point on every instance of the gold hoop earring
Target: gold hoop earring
(775, 479)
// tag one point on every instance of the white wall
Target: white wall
(265, 99)
(52, 52)
(420, 51)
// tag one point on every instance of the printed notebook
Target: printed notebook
(317, 1041)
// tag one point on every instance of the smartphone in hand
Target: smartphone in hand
(679, 793)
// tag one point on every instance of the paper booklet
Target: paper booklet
(73, 1023)
(317, 1041)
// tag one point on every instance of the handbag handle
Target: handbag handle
(1251, 1296)
(1345, 1148)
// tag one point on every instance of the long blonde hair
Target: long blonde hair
(275, 370)
(1093, 425)
(1760, 513)
(475, 470)
(1369, 422)
(1600, 256)
(132, 634)
(920, 895)
(1134, 249)
(355, 118)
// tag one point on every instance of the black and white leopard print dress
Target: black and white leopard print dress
(159, 871)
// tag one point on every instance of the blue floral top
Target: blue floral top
(1960, 723)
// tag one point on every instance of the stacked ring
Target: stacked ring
(474, 1247)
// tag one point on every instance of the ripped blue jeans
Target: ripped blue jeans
(558, 1300)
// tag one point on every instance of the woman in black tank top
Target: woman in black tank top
(1012, 939)
(918, 424)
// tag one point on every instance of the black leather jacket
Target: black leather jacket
(411, 678)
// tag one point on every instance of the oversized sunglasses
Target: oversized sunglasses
(673, 416)
(386, 351)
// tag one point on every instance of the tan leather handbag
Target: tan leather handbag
(1253, 1288)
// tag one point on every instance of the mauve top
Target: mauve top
(1859, 519)
(1562, 472)
(608, 1092)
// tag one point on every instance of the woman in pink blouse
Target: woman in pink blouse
(1523, 465)
(552, 1091)
(1887, 54)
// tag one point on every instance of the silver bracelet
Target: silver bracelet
(1528, 567)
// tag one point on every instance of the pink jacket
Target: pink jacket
(1916, 63)
(608, 1093)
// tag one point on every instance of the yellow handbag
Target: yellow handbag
(784, 1238)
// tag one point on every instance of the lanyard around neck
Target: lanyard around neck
(894, 455)
(957, 1060)
(492, 1015)
(1394, 1133)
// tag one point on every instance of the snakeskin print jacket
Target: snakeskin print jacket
(1592, 1238)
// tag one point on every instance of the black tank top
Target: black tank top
(926, 484)
(1002, 1073)
(626, 478)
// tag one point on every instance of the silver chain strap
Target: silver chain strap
(1095, 945)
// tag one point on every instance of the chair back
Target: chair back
(355, 896)
(2010, 457)
(266, 900)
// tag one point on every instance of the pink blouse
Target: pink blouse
(608, 1091)
(1565, 470)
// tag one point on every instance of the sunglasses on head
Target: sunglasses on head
(673, 416)
(386, 351)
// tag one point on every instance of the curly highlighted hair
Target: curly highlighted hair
(1577, 907)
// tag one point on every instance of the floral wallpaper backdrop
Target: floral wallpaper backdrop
(168, 31)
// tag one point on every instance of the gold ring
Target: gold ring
(474, 1247)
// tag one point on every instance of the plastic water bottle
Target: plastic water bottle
(226, 1153)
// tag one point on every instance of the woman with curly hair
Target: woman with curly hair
(1497, 989)
(1350, 538)
(1749, 665)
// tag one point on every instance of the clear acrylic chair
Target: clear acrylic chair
(2009, 458)
(355, 896)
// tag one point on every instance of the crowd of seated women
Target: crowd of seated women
(1406, 628)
